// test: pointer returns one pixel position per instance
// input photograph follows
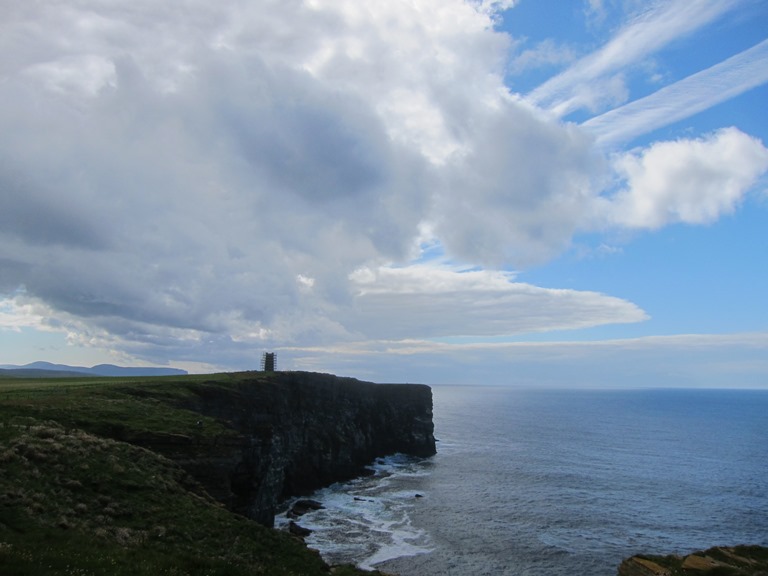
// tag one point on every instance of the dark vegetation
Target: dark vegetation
(76, 501)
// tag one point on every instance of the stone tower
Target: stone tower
(268, 362)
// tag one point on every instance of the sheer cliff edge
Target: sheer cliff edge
(283, 434)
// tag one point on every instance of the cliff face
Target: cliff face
(293, 432)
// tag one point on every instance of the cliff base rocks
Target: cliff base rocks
(717, 561)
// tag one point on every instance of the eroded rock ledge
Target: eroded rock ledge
(293, 432)
(717, 561)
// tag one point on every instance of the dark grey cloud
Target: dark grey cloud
(147, 210)
(32, 215)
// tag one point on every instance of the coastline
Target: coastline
(366, 520)
(555, 483)
(129, 476)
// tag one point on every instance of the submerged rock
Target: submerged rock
(301, 507)
(297, 530)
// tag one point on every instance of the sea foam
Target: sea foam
(367, 520)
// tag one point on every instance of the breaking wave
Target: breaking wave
(367, 520)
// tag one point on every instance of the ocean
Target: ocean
(557, 482)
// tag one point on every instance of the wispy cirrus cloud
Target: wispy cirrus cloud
(545, 53)
(683, 99)
(595, 80)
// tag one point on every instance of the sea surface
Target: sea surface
(549, 483)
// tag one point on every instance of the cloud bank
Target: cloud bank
(198, 181)
(685, 360)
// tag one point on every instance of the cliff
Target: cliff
(288, 433)
(720, 561)
(141, 476)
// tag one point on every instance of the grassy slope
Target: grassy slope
(74, 502)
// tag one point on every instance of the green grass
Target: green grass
(75, 501)
(112, 407)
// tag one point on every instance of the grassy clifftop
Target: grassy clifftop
(74, 501)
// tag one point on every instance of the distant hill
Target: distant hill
(33, 373)
(49, 370)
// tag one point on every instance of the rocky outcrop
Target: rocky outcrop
(637, 566)
(289, 433)
(721, 560)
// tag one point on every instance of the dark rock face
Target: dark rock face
(294, 432)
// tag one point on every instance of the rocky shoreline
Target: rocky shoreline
(716, 561)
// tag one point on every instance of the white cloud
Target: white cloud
(595, 11)
(15, 315)
(520, 193)
(494, 7)
(87, 74)
(435, 302)
(691, 181)
(545, 53)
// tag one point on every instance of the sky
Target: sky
(524, 192)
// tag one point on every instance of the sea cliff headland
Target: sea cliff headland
(178, 475)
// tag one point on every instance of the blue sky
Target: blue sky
(513, 192)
